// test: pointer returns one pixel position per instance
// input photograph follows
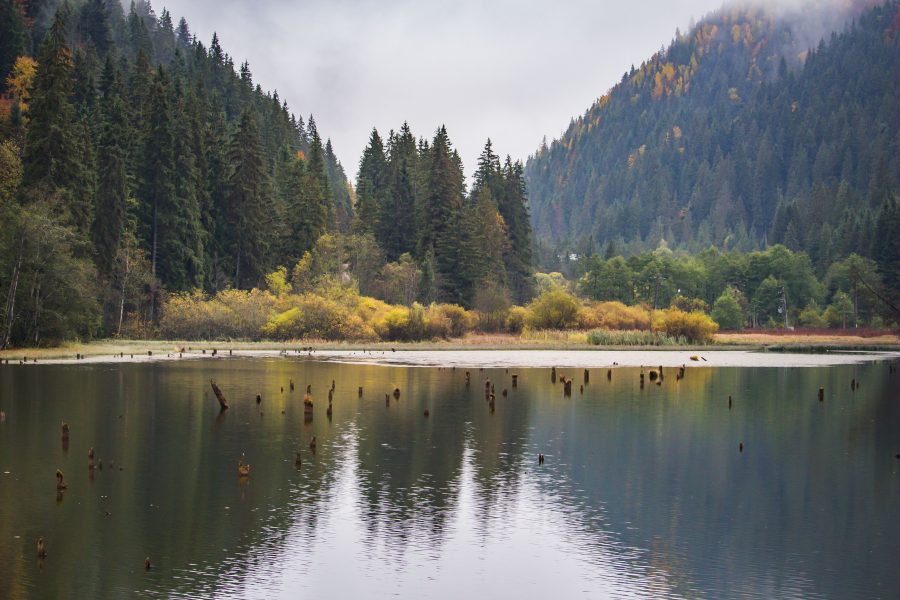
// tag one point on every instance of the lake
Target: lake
(665, 491)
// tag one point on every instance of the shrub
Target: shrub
(455, 321)
(516, 319)
(727, 311)
(553, 309)
(811, 316)
(689, 304)
(614, 315)
(406, 324)
(840, 312)
(228, 314)
(695, 326)
(317, 318)
(371, 310)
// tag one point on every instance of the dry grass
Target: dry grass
(794, 338)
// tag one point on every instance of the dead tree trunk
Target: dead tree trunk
(223, 403)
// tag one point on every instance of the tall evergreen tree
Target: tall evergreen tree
(170, 211)
(50, 158)
(317, 181)
(397, 220)
(109, 222)
(443, 220)
(248, 204)
(513, 207)
(371, 186)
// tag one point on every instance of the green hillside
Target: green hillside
(738, 136)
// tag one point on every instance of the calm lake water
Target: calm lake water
(644, 493)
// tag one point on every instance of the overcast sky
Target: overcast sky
(511, 70)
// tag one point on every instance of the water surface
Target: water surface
(644, 492)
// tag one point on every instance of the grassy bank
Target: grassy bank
(543, 340)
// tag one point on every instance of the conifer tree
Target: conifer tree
(443, 219)
(50, 158)
(322, 217)
(397, 219)
(338, 190)
(248, 204)
(371, 186)
(109, 221)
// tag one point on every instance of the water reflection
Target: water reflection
(643, 493)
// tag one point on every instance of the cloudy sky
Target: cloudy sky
(511, 70)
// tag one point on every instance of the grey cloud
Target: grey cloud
(513, 71)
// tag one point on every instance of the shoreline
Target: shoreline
(144, 350)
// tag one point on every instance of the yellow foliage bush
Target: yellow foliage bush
(456, 321)
(516, 319)
(553, 309)
(403, 323)
(614, 316)
(315, 317)
(695, 326)
(228, 314)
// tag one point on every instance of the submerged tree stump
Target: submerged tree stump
(223, 403)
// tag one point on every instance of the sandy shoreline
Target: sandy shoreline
(473, 346)
(471, 357)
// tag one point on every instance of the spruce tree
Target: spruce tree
(513, 207)
(50, 159)
(338, 190)
(170, 214)
(109, 221)
(248, 204)
(397, 219)
(443, 220)
(371, 186)
(322, 217)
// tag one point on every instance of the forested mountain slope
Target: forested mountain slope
(738, 136)
(134, 160)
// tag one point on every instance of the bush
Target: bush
(403, 324)
(695, 326)
(840, 312)
(811, 316)
(727, 311)
(317, 318)
(491, 306)
(553, 309)
(453, 320)
(689, 304)
(614, 315)
(516, 319)
(228, 314)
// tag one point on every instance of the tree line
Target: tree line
(136, 161)
(775, 287)
(739, 136)
(474, 249)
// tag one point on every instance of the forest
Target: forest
(150, 189)
(746, 131)
(138, 163)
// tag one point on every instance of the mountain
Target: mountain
(756, 127)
